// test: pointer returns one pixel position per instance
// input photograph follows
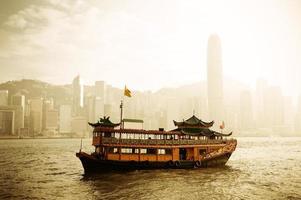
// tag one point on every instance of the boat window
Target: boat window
(126, 150)
(143, 151)
(165, 151)
(136, 150)
(151, 151)
(161, 151)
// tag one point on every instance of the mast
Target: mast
(121, 112)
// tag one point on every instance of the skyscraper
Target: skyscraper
(19, 100)
(215, 79)
(36, 115)
(77, 96)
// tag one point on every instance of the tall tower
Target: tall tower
(77, 96)
(215, 79)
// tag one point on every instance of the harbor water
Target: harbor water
(260, 168)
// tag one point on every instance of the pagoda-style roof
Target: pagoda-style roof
(104, 122)
(194, 122)
(196, 127)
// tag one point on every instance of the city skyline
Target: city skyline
(247, 112)
(191, 61)
(55, 41)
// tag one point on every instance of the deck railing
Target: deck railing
(162, 142)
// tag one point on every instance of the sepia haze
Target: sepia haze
(247, 75)
(150, 45)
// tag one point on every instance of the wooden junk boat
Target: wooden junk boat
(191, 145)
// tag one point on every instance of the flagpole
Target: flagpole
(121, 113)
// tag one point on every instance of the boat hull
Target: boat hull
(93, 164)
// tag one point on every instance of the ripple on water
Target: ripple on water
(44, 169)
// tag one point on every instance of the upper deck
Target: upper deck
(141, 138)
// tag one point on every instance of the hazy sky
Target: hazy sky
(150, 44)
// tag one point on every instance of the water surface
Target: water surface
(260, 168)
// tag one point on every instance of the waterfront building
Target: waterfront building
(11, 120)
(51, 122)
(48, 105)
(36, 115)
(19, 100)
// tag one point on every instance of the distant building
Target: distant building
(65, 117)
(3, 97)
(19, 100)
(100, 89)
(52, 120)
(11, 120)
(215, 79)
(79, 126)
(48, 105)
(36, 115)
(77, 99)
(90, 101)
(273, 107)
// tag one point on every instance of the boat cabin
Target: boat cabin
(190, 141)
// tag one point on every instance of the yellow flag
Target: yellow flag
(127, 92)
